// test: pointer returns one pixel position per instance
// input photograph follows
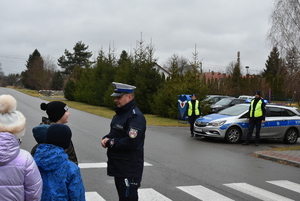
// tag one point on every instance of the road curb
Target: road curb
(270, 155)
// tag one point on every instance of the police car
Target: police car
(231, 124)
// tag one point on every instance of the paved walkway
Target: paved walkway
(285, 157)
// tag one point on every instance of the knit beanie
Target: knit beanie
(55, 110)
(11, 120)
(39, 133)
(59, 135)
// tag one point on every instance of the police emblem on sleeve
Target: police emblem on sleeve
(133, 133)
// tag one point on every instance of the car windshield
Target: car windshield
(224, 101)
(235, 110)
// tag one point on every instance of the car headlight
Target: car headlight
(216, 123)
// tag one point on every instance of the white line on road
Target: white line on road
(257, 192)
(203, 193)
(287, 184)
(93, 196)
(150, 194)
(101, 165)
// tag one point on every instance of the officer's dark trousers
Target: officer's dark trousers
(254, 122)
(192, 120)
(128, 193)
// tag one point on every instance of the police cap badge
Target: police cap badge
(120, 89)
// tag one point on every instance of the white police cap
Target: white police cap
(121, 89)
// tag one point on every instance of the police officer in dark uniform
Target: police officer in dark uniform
(194, 112)
(125, 143)
(256, 117)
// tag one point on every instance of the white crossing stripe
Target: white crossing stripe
(257, 192)
(147, 194)
(287, 184)
(100, 165)
(93, 196)
(92, 165)
(203, 193)
(150, 194)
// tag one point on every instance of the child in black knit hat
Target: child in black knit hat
(58, 113)
(61, 177)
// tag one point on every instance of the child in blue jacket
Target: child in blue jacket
(61, 177)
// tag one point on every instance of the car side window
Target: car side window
(244, 116)
(290, 113)
(235, 102)
(274, 112)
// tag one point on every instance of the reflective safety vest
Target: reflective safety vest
(190, 110)
(257, 111)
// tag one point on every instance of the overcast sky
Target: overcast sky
(218, 29)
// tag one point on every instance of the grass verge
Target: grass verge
(152, 120)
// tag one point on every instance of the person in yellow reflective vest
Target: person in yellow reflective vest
(256, 117)
(193, 111)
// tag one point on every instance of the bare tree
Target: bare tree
(230, 67)
(41, 72)
(176, 65)
(285, 27)
(49, 63)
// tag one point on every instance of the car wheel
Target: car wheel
(291, 136)
(233, 134)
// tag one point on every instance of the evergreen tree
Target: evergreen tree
(79, 57)
(57, 81)
(103, 77)
(125, 70)
(92, 83)
(31, 78)
(274, 73)
(236, 79)
(165, 101)
(69, 89)
(273, 64)
(146, 77)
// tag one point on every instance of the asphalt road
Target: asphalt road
(177, 167)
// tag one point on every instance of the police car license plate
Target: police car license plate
(199, 129)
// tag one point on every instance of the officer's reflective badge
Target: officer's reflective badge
(133, 133)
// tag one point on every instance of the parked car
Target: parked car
(245, 97)
(212, 99)
(225, 103)
(231, 124)
(249, 98)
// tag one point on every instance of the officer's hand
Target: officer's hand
(263, 121)
(103, 142)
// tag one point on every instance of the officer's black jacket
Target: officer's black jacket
(126, 142)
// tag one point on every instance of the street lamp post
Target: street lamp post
(247, 67)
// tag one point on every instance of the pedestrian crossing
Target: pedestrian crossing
(206, 194)
(101, 165)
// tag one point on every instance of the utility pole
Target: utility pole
(238, 58)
